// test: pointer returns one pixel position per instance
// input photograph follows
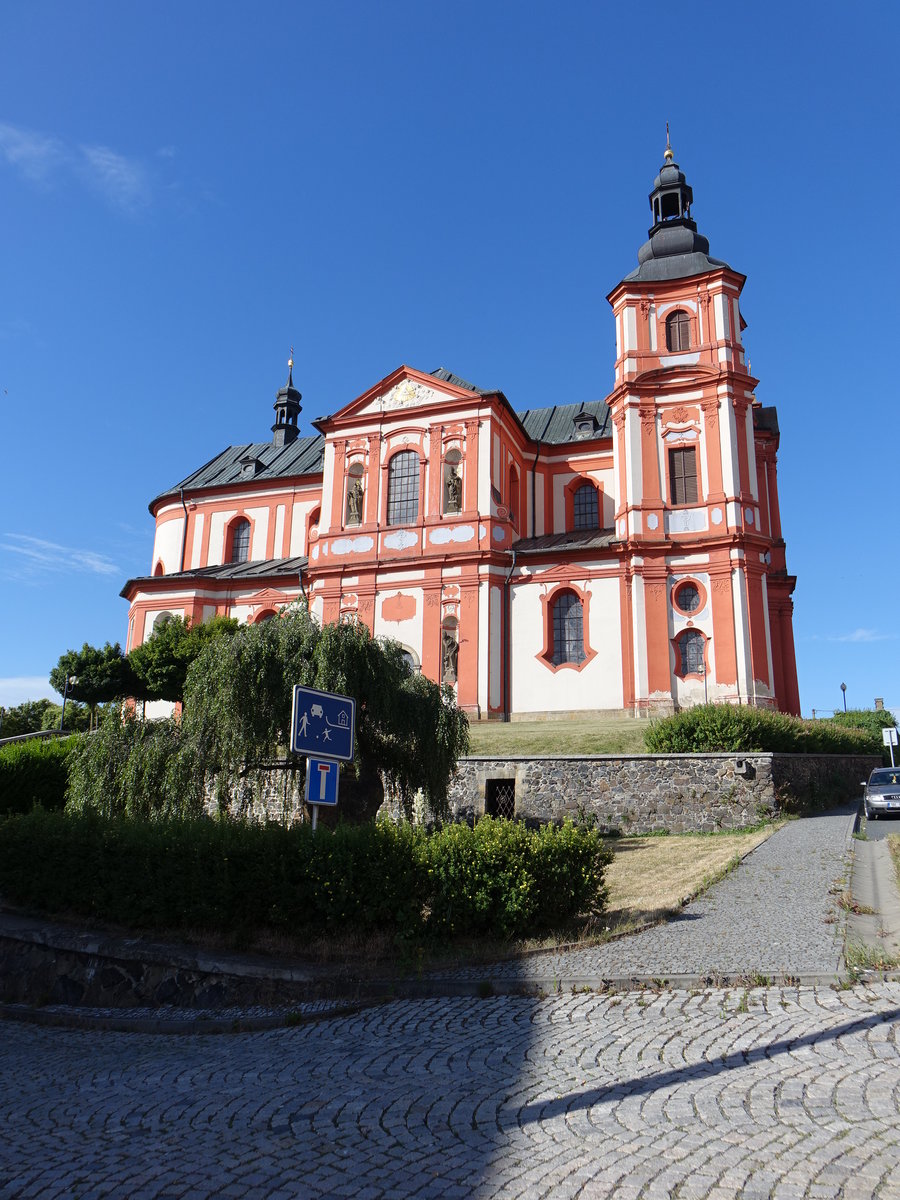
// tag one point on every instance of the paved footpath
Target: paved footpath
(776, 916)
(780, 1091)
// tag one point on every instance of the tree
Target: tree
(99, 675)
(160, 665)
(238, 708)
(27, 717)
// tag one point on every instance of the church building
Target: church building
(620, 555)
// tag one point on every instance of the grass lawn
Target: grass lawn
(582, 735)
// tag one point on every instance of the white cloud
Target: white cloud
(42, 556)
(33, 154)
(16, 689)
(124, 183)
(862, 635)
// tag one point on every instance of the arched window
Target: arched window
(585, 508)
(453, 484)
(513, 495)
(160, 620)
(691, 645)
(356, 495)
(568, 630)
(239, 548)
(403, 488)
(678, 331)
(266, 615)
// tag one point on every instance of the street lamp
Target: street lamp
(71, 681)
(844, 690)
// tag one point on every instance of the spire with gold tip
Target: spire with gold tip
(670, 153)
(287, 409)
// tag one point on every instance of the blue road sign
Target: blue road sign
(323, 723)
(322, 780)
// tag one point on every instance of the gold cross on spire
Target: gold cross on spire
(669, 154)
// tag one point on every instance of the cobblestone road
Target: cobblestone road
(783, 1092)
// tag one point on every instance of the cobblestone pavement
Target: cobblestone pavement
(775, 916)
(776, 1092)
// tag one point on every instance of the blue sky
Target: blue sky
(188, 190)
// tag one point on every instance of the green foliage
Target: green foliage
(34, 772)
(238, 705)
(870, 719)
(498, 879)
(726, 727)
(160, 665)
(502, 880)
(78, 717)
(100, 674)
(27, 717)
(136, 768)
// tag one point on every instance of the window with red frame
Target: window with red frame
(240, 542)
(568, 630)
(678, 331)
(691, 645)
(683, 475)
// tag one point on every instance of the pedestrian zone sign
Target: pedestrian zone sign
(323, 724)
(322, 781)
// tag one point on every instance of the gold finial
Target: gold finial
(669, 154)
(291, 360)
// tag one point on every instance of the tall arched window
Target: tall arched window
(678, 331)
(568, 630)
(513, 495)
(403, 488)
(691, 645)
(585, 508)
(239, 548)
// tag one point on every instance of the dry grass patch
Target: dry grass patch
(652, 876)
(893, 841)
(582, 735)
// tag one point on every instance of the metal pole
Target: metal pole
(315, 816)
(844, 690)
(62, 715)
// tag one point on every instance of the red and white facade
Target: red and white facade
(623, 555)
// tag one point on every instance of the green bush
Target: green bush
(727, 727)
(35, 772)
(498, 879)
(870, 719)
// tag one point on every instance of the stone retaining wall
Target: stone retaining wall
(648, 793)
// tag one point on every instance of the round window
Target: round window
(687, 597)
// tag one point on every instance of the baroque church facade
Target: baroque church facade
(618, 555)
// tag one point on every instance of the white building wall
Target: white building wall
(302, 509)
(535, 686)
(279, 548)
(197, 548)
(260, 519)
(217, 523)
(495, 649)
(167, 545)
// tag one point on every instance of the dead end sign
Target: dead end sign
(322, 780)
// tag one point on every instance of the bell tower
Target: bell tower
(287, 410)
(689, 515)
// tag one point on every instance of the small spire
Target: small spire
(669, 154)
(291, 369)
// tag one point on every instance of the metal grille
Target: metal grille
(568, 630)
(688, 597)
(403, 488)
(683, 473)
(691, 645)
(678, 331)
(240, 542)
(586, 511)
(500, 798)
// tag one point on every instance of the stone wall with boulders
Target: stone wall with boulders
(647, 793)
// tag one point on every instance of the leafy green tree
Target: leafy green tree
(27, 717)
(238, 696)
(78, 717)
(99, 674)
(160, 665)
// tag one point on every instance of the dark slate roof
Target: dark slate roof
(766, 418)
(575, 539)
(556, 425)
(448, 377)
(268, 568)
(305, 456)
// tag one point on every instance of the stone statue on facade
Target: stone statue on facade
(355, 504)
(449, 656)
(454, 491)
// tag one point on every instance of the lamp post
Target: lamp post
(844, 690)
(71, 680)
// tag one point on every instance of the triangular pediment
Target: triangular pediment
(405, 388)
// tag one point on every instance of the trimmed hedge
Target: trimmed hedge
(498, 879)
(711, 727)
(35, 772)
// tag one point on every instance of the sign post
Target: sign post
(890, 738)
(323, 725)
